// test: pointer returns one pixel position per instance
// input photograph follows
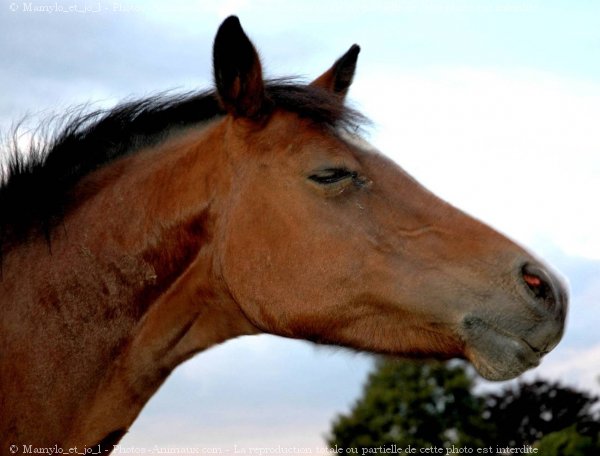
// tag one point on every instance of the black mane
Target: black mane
(36, 184)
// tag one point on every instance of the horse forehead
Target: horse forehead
(359, 142)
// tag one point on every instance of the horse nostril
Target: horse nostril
(537, 286)
(540, 284)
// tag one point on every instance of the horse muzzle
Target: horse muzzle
(503, 344)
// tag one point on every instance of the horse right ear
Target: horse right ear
(237, 71)
(338, 78)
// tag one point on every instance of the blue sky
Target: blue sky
(494, 105)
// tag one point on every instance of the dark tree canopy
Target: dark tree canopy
(530, 411)
(432, 404)
(410, 402)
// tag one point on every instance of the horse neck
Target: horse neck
(113, 309)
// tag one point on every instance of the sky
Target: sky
(493, 105)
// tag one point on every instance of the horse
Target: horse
(139, 236)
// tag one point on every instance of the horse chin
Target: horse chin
(495, 353)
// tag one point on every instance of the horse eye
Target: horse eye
(332, 175)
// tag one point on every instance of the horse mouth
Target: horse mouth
(498, 354)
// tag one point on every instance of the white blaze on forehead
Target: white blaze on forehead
(358, 141)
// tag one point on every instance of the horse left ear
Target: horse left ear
(339, 77)
(237, 71)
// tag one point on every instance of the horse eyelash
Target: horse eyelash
(337, 174)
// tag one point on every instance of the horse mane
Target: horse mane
(36, 184)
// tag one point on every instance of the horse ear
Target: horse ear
(338, 78)
(237, 70)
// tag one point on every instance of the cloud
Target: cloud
(258, 390)
(53, 59)
(518, 149)
(576, 367)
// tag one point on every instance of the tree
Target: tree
(530, 411)
(432, 404)
(411, 402)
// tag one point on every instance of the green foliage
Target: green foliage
(569, 442)
(416, 403)
(432, 404)
(530, 411)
